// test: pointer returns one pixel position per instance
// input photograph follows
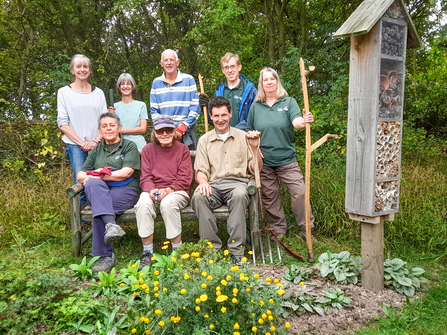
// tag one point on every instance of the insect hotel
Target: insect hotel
(380, 32)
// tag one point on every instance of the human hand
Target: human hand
(204, 188)
(164, 192)
(254, 138)
(155, 195)
(111, 109)
(308, 117)
(203, 100)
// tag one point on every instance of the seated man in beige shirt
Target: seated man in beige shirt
(223, 167)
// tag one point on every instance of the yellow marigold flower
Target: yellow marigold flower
(261, 302)
(210, 244)
(280, 285)
(287, 325)
(165, 247)
(181, 265)
(156, 288)
(271, 301)
(269, 312)
(156, 283)
(211, 261)
(146, 320)
(261, 321)
(217, 288)
(197, 300)
(270, 317)
(235, 290)
(272, 328)
(251, 300)
(156, 272)
(228, 277)
(141, 281)
(254, 329)
(280, 292)
(185, 256)
(268, 334)
(211, 326)
(268, 279)
(242, 275)
(204, 273)
(218, 293)
(244, 260)
(223, 309)
(158, 311)
(197, 308)
(256, 276)
(195, 254)
(135, 294)
(234, 301)
(161, 323)
(276, 281)
(236, 333)
(186, 276)
(247, 290)
(141, 274)
(246, 278)
(166, 242)
(203, 285)
(223, 282)
(142, 319)
(133, 331)
(198, 259)
(206, 316)
(144, 286)
(134, 266)
(148, 332)
(173, 259)
(153, 258)
(122, 284)
(234, 268)
(203, 297)
(209, 277)
(221, 298)
(264, 316)
(250, 252)
(156, 295)
(236, 326)
(301, 283)
(183, 291)
(165, 289)
(226, 252)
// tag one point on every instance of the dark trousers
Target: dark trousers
(106, 200)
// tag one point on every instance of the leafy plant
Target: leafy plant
(400, 278)
(341, 267)
(108, 283)
(84, 269)
(295, 275)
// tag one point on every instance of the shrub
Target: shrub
(341, 267)
(399, 277)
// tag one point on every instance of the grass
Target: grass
(35, 234)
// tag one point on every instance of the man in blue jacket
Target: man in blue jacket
(238, 90)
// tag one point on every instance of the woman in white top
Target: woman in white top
(132, 113)
(79, 106)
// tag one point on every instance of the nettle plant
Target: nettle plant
(398, 276)
(341, 267)
(330, 303)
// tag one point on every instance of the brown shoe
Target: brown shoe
(313, 234)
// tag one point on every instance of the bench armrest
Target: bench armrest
(73, 190)
(251, 187)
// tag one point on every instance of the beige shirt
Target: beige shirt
(218, 159)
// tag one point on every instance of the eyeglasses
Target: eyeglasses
(161, 131)
(227, 68)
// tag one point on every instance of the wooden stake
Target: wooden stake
(205, 113)
(304, 74)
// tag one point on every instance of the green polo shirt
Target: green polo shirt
(277, 132)
(125, 154)
(234, 96)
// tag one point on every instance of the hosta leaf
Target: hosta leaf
(397, 263)
(416, 282)
(307, 307)
(339, 275)
(408, 291)
(323, 258)
(404, 281)
(325, 269)
(343, 255)
(346, 300)
(319, 310)
(331, 295)
(423, 280)
(417, 271)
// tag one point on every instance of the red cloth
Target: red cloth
(107, 170)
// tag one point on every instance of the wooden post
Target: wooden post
(372, 255)
(205, 112)
(76, 235)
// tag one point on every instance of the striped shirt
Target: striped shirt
(179, 100)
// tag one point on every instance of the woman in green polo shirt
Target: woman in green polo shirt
(276, 115)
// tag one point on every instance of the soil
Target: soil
(365, 306)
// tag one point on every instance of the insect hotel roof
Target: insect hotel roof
(363, 19)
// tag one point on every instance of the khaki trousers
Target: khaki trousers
(292, 177)
(233, 193)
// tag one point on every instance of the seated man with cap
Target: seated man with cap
(166, 176)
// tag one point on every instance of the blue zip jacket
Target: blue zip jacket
(248, 97)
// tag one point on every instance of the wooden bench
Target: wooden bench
(85, 215)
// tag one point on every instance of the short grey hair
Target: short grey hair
(123, 78)
(280, 91)
(81, 59)
(169, 50)
(108, 114)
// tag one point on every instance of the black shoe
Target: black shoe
(145, 259)
(113, 233)
(237, 260)
(104, 264)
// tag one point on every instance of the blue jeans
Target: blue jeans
(77, 157)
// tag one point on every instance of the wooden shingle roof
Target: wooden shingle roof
(368, 14)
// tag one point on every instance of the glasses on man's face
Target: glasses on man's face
(229, 67)
(161, 131)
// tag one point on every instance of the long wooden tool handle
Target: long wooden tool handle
(205, 112)
(304, 74)
(111, 98)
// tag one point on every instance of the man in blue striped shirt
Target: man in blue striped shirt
(175, 94)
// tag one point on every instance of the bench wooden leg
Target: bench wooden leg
(76, 236)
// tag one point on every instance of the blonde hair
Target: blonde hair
(226, 58)
(280, 91)
(81, 59)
